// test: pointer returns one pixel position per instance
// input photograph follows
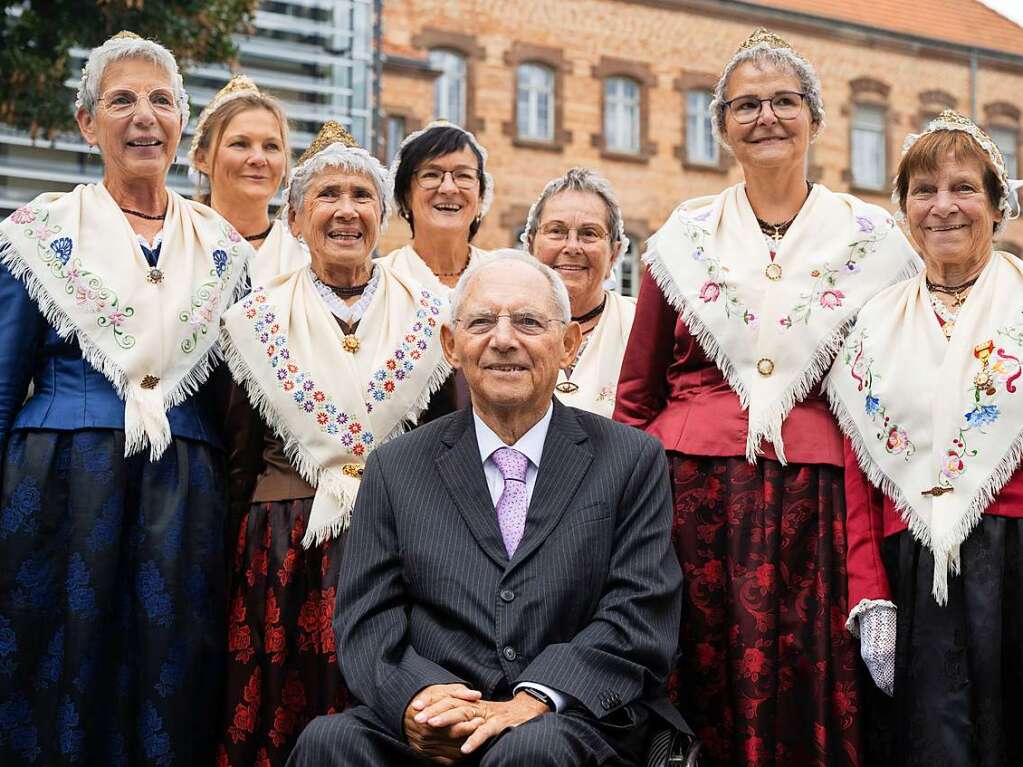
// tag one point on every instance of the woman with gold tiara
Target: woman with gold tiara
(747, 296)
(239, 157)
(113, 503)
(335, 358)
(927, 389)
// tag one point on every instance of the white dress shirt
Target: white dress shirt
(530, 445)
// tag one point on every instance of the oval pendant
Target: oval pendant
(947, 329)
(567, 387)
(773, 272)
(351, 344)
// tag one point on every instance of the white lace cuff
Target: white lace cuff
(852, 622)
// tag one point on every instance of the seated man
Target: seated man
(509, 594)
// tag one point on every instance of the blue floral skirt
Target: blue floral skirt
(112, 601)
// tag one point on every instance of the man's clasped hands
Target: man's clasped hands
(446, 722)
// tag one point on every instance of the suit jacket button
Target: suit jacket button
(606, 704)
(509, 653)
(507, 595)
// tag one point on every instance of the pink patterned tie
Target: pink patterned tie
(512, 505)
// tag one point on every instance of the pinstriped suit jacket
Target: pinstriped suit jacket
(589, 604)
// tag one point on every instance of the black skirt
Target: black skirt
(959, 666)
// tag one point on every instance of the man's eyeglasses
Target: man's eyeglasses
(588, 234)
(432, 178)
(525, 323)
(746, 109)
(122, 103)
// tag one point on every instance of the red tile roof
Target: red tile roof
(965, 22)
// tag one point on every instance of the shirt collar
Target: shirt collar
(530, 444)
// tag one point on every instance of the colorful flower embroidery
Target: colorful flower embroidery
(86, 287)
(895, 438)
(384, 381)
(354, 438)
(606, 394)
(824, 294)
(715, 287)
(206, 298)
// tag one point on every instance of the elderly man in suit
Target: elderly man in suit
(509, 594)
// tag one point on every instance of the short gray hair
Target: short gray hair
(559, 293)
(763, 55)
(580, 180)
(350, 159)
(117, 49)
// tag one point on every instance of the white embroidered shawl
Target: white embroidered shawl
(598, 367)
(407, 263)
(937, 424)
(774, 339)
(280, 253)
(331, 407)
(151, 332)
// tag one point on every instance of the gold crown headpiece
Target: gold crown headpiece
(239, 85)
(764, 36)
(332, 132)
(125, 34)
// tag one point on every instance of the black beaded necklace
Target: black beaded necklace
(261, 235)
(146, 216)
(777, 231)
(352, 291)
(594, 312)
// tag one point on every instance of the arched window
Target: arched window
(622, 114)
(450, 87)
(535, 102)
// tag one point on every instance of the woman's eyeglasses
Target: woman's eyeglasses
(122, 103)
(746, 109)
(432, 178)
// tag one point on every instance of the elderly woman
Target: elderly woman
(336, 358)
(111, 529)
(576, 228)
(746, 297)
(927, 389)
(239, 157)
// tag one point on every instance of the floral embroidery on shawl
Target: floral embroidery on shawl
(206, 298)
(88, 288)
(352, 435)
(400, 364)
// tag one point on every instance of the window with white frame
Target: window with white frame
(701, 148)
(395, 134)
(627, 268)
(622, 114)
(450, 87)
(869, 147)
(535, 102)
(1007, 139)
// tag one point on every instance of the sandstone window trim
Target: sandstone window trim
(932, 103)
(870, 117)
(554, 59)
(607, 71)
(431, 38)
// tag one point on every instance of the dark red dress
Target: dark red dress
(768, 674)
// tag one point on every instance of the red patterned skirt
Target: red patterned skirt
(768, 674)
(282, 665)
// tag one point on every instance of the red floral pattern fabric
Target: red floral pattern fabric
(282, 661)
(768, 674)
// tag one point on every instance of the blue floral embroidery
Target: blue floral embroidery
(62, 248)
(107, 525)
(220, 261)
(17, 729)
(35, 583)
(383, 381)
(69, 734)
(80, 594)
(149, 586)
(871, 404)
(172, 672)
(50, 666)
(154, 740)
(982, 415)
(8, 648)
(21, 512)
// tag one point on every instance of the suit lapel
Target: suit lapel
(565, 460)
(462, 473)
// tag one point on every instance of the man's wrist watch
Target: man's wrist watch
(532, 692)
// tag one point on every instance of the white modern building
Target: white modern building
(317, 56)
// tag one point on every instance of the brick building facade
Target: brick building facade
(622, 86)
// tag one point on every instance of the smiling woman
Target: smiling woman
(745, 299)
(330, 360)
(112, 497)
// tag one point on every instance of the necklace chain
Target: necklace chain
(596, 311)
(146, 216)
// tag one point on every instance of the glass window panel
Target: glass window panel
(535, 102)
(869, 147)
(1007, 140)
(395, 134)
(701, 148)
(450, 87)
(622, 114)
